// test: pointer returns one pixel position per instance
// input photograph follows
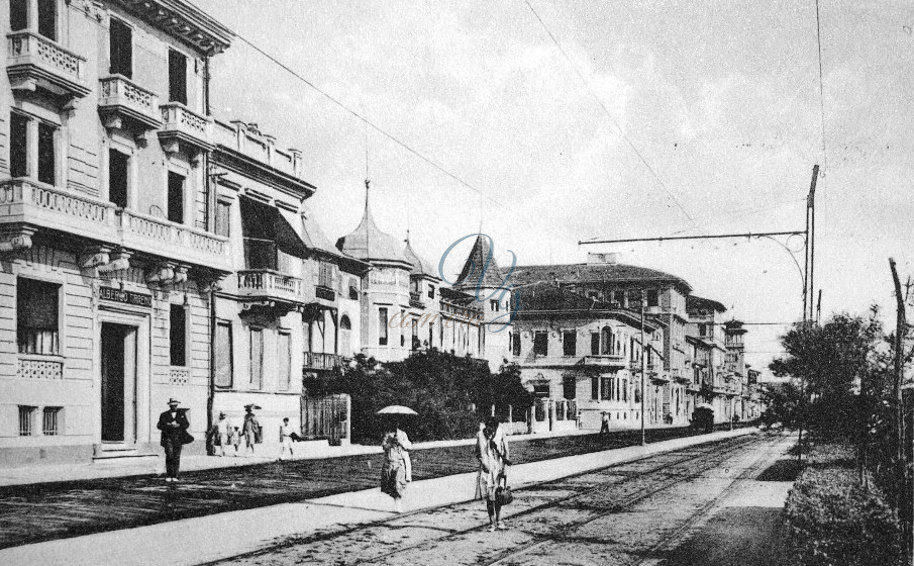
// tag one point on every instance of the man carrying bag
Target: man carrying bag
(174, 424)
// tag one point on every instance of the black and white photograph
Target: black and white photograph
(443, 283)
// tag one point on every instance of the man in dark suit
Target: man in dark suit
(173, 424)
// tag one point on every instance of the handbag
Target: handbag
(186, 437)
(503, 494)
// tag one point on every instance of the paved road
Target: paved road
(41, 512)
(638, 513)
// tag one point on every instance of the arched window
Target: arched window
(345, 336)
(606, 342)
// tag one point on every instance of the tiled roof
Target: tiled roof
(420, 266)
(480, 268)
(369, 243)
(543, 297)
(694, 302)
(594, 272)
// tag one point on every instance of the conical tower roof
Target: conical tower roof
(368, 243)
(480, 268)
(420, 266)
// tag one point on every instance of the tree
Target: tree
(831, 361)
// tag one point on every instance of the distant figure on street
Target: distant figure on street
(492, 453)
(604, 427)
(173, 424)
(396, 471)
(221, 433)
(286, 432)
(236, 439)
(251, 428)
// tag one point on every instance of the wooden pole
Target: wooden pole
(898, 421)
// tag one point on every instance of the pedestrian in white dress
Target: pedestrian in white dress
(492, 453)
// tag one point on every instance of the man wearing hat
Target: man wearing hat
(173, 424)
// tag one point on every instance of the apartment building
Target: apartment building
(108, 251)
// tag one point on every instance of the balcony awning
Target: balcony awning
(262, 221)
(310, 233)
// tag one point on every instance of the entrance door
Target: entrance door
(118, 380)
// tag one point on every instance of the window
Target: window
(284, 345)
(382, 326)
(702, 329)
(634, 299)
(595, 388)
(431, 291)
(516, 345)
(223, 218)
(325, 274)
(594, 343)
(569, 387)
(256, 358)
(118, 165)
(653, 298)
(178, 351)
(494, 305)
(606, 388)
(606, 342)
(37, 325)
(416, 342)
(177, 77)
(46, 156)
(19, 125)
(223, 353)
(175, 197)
(345, 336)
(50, 422)
(26, 415)
(402, 336)
(47, 19)
(353, 289)
(540, 343)
(19, 15)
(120, 39)
(569, 343)
(619, 297)
(541, 390)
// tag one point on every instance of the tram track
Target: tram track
(674, 468)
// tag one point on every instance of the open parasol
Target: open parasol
(396, 410)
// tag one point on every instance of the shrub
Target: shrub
(834, 521)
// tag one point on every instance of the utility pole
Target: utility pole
(807, 289)
(900, 468)
(643, 368)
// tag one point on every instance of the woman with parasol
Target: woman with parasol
(397, 466)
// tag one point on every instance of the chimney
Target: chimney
(609, 258)
(296, 161)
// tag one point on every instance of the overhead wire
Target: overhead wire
(609, 115)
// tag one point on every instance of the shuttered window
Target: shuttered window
(223, 352)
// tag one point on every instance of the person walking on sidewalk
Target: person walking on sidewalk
(395, 473)
(492, 453)
(221, 436)
(285, 439)
(173, 424)
(251, 430)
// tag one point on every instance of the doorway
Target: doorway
(118, 383)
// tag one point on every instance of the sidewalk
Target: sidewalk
(124, 467)
(204, 539)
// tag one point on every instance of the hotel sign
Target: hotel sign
(125, 297)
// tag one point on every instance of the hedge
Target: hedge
(835, 521)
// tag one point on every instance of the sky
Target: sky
(692, 118)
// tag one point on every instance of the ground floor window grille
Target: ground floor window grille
(26, 415)
(51, 421)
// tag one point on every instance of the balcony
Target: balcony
(122, 102)
(270, 285)
(28, 202)
(33, 62)
(415, 300)
(324, 293)
(318, 361)
(613, 360)
(185, 129)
